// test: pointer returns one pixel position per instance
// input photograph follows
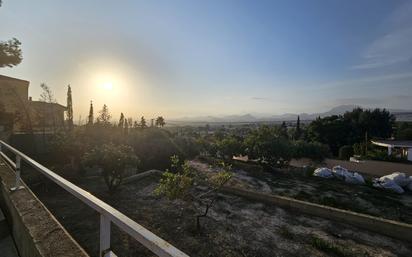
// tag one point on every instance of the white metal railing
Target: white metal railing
(108, 214)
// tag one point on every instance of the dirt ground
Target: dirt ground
(235, 227)
(296, 184)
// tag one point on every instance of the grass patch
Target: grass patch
(329, 247)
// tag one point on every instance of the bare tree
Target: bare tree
(48, 112)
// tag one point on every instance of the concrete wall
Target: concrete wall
(386, 227)
(35, 230)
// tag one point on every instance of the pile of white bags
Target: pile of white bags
(323, 172)
(347, 176)
(340, 173)
(395, 182)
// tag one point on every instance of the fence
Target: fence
(108, 214)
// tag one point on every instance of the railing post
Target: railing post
(104, 235)
(18, 168)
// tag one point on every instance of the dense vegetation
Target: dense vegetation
(353, 127)
(117, 147)
(271, 146)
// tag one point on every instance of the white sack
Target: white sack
(349, 177)
(399, 178)
(323, 172)
(388, 183)
(340, 172)
(354, 178)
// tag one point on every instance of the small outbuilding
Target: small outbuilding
(399, 147)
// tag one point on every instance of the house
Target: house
(28, 116)
(401, 148)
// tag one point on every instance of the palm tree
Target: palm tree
(160, 121)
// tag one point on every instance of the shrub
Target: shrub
(154, 146)
(113, 160)
(313, 150)
(229, 147)
(268, 146)
(345, 152)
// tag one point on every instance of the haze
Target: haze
(186, 58)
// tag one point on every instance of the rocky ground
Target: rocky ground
(235, 226)
(295, 183)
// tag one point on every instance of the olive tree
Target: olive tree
(183, 184)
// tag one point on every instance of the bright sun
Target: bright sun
(107, 85)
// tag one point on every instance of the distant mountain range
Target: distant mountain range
(402, 115)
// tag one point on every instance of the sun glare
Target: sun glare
(107, 85)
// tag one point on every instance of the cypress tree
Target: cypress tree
(90, 118)
(121, 121)
(298, 132)
(69, 108)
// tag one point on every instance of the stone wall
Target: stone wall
(35, 230)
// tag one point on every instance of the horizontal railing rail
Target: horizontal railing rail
(108, 214)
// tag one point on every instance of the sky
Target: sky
(180, 58)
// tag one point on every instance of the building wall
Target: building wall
(47, 117)
(14, 99)
(13, 93)
(29, 116)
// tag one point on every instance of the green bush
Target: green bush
(313, 150)
(113, 160)
(345, 152)
(268, 146)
